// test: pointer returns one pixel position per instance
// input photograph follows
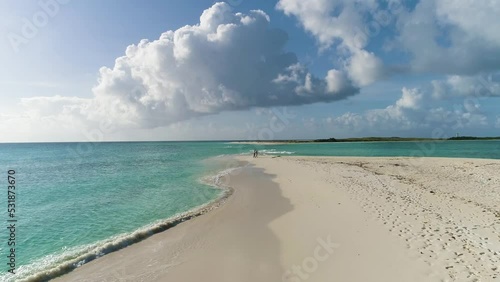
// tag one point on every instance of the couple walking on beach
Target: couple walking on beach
(255, 153)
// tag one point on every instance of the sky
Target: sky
(247, 70)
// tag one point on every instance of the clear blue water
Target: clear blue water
(74, 197)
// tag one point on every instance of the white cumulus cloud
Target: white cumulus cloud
(472, 86)
(364, 68)
(228, 61)
(342, 23)
(414, 111)
(332, 20)
(433, 36)
(452, 37)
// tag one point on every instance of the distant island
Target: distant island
(386, 139)
(369, 139)
(373, 139)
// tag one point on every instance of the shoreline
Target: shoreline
(93, 270)
(397, 218)
(272, 217)
(121, 241)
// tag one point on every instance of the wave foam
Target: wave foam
(274, 152)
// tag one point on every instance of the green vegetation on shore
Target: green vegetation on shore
(382, 139)
(374, 139)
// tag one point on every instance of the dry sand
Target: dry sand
(330, 219)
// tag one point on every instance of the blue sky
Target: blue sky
(343, 68)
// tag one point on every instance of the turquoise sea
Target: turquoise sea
(76, 201)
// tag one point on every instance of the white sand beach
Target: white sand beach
(330, 219)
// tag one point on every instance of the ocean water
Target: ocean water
(450, 149)
(78, 201)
